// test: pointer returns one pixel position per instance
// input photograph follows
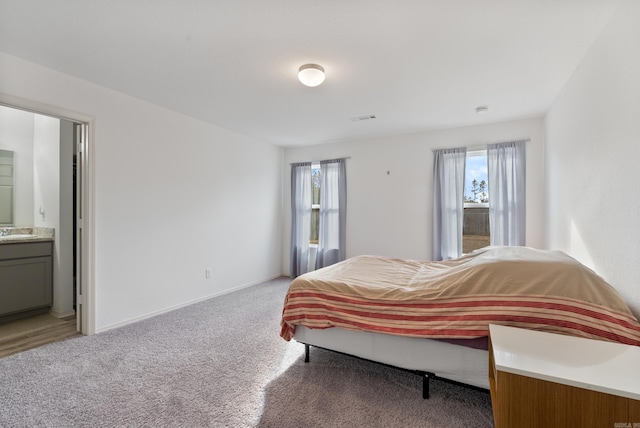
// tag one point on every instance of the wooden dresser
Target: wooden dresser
(546, 380)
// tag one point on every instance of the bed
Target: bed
(433, 317)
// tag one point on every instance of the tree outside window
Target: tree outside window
(478, 190)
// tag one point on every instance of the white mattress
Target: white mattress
(445, 360)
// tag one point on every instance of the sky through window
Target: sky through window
(476, 169)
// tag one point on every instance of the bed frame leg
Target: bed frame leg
(306, 353)
(425, 386)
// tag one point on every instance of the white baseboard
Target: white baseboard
(182, 305)
(62, 314)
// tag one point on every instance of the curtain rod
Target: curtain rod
(326, 160)
(484, 146)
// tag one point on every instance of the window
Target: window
(316, 181)
(316, 229)
(503, 165)
(475, 230)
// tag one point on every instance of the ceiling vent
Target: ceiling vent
(360, 118)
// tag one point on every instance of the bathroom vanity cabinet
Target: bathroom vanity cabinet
(26, 277)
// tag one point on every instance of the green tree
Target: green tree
(478, 188)
(482, 186)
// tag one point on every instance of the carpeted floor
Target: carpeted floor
(219, 363)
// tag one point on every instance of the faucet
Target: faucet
(5, 232)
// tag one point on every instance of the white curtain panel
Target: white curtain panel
(506, 165)
(448, 202)
(300, 217)
(333, 213)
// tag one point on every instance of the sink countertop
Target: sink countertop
(36, 234)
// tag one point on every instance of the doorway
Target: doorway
(76, 166)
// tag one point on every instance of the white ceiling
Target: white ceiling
(415, 64)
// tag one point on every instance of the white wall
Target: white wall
(391, 214)
(16, 134)
(46, 171)
(173, 196)
(52, 172)
(592, 158)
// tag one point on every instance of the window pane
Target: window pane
(315, 212)
(315, 182)
(476, 184)
(475, 229)
(315, 221)
(475, 232)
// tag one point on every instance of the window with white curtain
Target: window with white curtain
(507, 208)
(318, 204)
(333, 213)
(448, 202)
(453, 200)
(300, 217)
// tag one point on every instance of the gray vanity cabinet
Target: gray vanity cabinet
(26, 276)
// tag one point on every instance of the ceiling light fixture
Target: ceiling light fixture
(482, 109)
(311, 75)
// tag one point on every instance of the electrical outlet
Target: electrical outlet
(208, 272)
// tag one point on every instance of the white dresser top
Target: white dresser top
(612, 368)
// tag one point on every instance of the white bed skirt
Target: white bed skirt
(454, 362)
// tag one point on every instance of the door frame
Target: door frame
(86, 242)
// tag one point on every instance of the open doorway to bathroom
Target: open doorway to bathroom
(50, 170)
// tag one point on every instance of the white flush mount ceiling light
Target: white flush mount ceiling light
(482, 109)
(311, 75)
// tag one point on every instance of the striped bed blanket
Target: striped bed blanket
(458, 299)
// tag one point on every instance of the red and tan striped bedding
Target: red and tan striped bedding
(516, 286)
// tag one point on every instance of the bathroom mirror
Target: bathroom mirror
(6, 187)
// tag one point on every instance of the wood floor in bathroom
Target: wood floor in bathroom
(29, 333)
